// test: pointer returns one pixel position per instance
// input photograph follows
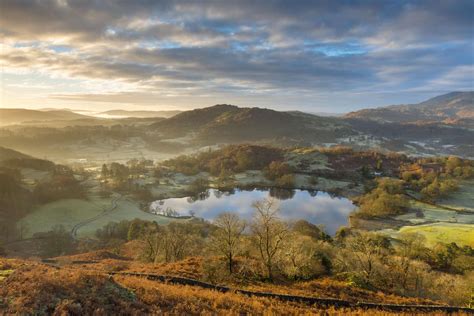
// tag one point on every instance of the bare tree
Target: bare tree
(269, 232)
(368, 252)
(410, 247)
(227, 237)
(170, 243)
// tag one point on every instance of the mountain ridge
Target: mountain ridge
(7, 153)
(225, 122)
(140, 113)
(447, 108)
(17, 116)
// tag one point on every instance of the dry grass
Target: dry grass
(188, 268)
(34, 288)
(330, 288)
(93, 256)
(38, 289)
(193, 268)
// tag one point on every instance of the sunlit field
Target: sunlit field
(461, 234)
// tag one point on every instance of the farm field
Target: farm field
(461, 234)
(438, 224)
(66, 212)
(126, 210)
(69, 212)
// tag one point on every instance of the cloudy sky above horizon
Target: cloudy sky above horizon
(319, 56)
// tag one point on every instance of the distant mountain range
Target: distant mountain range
(454, 107)
(17, 116)
(428, 129)
(441, 125)
(140, 114)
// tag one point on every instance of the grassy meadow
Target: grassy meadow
(463, 199)
(462, 234)
(69, 212)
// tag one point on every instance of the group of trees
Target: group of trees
(233, 158)
(438, 189)
(265, 240)
(63, 185)
(386, 199)
(281, 173)
(123, 177)
(16, 200)
(268, 248)
(56, 242)
(121, 172)
(432, 178)
(435, 178)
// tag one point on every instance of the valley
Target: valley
(307, 179)
(65, 138)
(146, 194)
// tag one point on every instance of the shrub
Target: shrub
(286, 181)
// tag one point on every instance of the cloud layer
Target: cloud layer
(324, 55)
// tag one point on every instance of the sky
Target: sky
(315, 56)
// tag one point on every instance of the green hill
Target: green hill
(229, 123)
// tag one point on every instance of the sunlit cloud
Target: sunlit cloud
(303, 55)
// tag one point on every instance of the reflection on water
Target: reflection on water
(315, 207)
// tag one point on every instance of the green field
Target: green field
(432, 213)
(463, 199)
(69, 212)
(126, 210)
(439, 224)
(461, 234)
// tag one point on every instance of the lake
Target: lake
(316, 207)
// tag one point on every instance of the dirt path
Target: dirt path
(90, 220)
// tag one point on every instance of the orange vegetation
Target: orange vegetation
(193, 268)
(41, 289)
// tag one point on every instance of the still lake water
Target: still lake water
(316, 207)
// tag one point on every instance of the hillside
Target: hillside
(447, 108)
(229, 123)
(7, 154)
(140, 114)
(88, 289)
(16, 116)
